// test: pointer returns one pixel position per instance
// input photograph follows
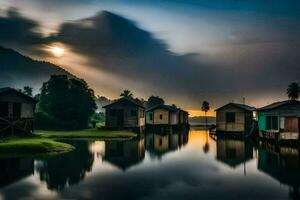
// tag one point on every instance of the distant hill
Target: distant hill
(17, 70)
(201, 120)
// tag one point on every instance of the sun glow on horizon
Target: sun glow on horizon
(197, 113)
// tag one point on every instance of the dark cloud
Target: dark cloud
(116, 45)
(19, 30)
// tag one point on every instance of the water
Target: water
(177, 166)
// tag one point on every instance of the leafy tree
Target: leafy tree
(27, 90)
(205, 108)
(66, 103)
(141, 101)
(293, 91)
(127, 94)
(154, 101)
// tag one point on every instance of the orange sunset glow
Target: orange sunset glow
(196, 113)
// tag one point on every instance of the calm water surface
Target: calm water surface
(187, 165)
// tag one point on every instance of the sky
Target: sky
(185, 51)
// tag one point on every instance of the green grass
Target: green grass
(15, 146)
(87, 134)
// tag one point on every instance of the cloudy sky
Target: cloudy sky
(186, 51)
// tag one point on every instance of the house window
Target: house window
(3, 109)
(160, 141)
(272, 123)
(160, 116)
(151, 116)
(230, 117)
(133, 113)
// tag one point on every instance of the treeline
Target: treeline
(66, 103)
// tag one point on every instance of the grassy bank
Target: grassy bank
(31, 146)
(87, 134)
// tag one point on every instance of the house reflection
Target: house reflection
(234, 152)
(73, 170)
(15, 169)
(281, 163)
(125, 154)
(159, 144)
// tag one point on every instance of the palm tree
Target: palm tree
(205, 107)
(293, 91)
(127, 94)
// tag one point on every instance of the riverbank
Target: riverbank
(101, 134)
(17, 146)
(43, 142)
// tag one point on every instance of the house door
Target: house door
(16, 110)
(120, 117)
(291, 124)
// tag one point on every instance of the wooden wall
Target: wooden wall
(27, 107)
(165, 116)
(128, 120)
(238, 126)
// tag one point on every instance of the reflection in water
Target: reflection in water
(281, 163)
(234, 152)
(159, 144)
(190, 165)
(14, 169)
(66, 169)
(124, 154)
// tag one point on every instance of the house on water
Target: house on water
(16, 112)
(234, 119)
(280, 120)
(124, 113)
(165, 115)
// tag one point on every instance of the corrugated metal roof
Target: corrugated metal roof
(8, 89)
(124, 99)
(278, 104)
(166, 107)
(241, 106)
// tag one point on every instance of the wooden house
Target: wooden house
(124, 113)
(16, 112)
(234, 118)
(280, 120)
(166, 115)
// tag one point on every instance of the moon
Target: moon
(57, 51)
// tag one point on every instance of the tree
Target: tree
(27, 90)
(127, 94)
(154, 101)
(293, 91)
(205, 107)
(66, 103)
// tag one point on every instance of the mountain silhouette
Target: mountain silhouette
(17, 70)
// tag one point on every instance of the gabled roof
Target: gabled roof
(162, 106)
(279, 104)
(8, 89)
(238, 105)
(124, 99)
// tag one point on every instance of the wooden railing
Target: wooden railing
(16, 124)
